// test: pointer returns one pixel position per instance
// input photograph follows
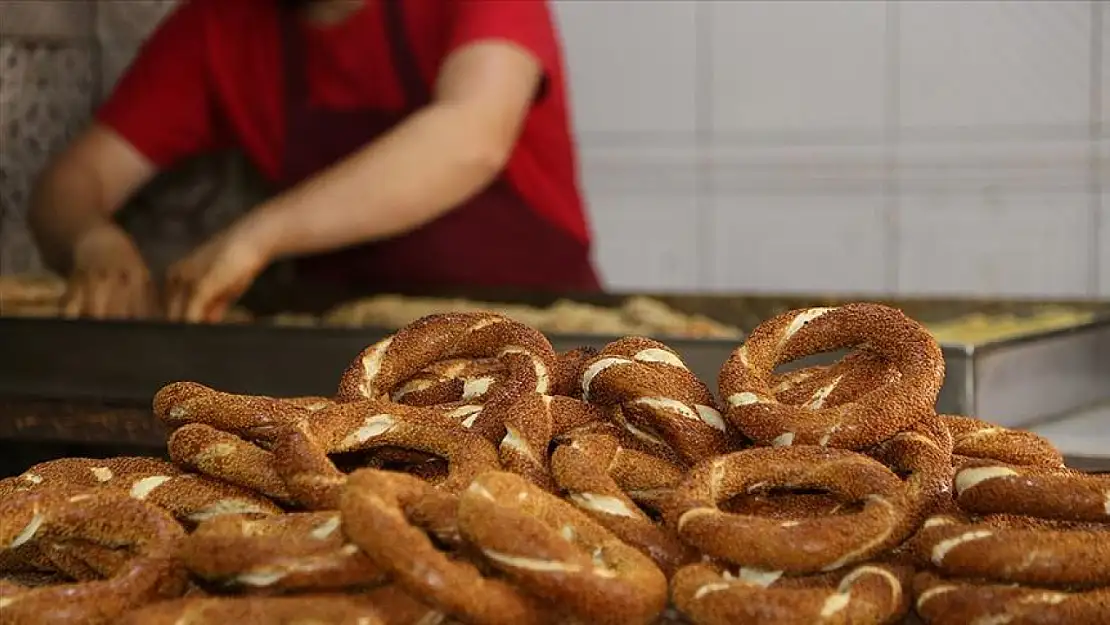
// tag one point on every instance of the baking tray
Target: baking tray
(1014, 382)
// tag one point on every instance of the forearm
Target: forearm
(428, 165)
(66, 203)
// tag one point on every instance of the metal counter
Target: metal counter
(1014, 382)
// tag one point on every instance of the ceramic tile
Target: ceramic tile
(798, 243)
(997, 218)
(995, 63)
(646, 242)
(798, 66)
(632, 64)
(1104, 220)
(52, 19)
(1103, 10)
(995, 243)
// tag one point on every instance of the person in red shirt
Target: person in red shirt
(413, 143)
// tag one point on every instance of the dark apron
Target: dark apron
(493, 240)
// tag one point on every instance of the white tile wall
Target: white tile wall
(1103, 15)
(798, 66)
(1008, 218)
(634, 64)
(798, 243)
(1104, 220)
(995, 242)
(646, 216)
(995, 63)
(984, 189)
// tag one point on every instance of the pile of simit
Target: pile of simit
(465, 472)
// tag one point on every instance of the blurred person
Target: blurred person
(413, 143)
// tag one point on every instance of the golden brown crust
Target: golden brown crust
(103, 518)
(190, 498)
(954, 602)
(869, 593)
(661, 401)
(924, 454)
(1060, 494)
(306, 551)
(331, 609)
(747, 380)
(553, 550)
(378, 508)
(981, 440)
(1032, 556)
(301, 452)
(769, 544)
(600, 477)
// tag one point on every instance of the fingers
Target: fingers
(179, 292)
(109, 295)
(73, 304)
(198, 300)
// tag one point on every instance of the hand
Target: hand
(202, 286)
(109, 279)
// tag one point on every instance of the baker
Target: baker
(414, 143)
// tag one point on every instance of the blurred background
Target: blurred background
(917, 148)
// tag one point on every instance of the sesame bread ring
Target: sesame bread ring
(769, 544)
(788, 506)
(1037, 557)
(1043, 493)
(451, 381)
(383, 368)
(397, 607)
(288, 552)
(182, 403)
(427, 467)
(298, 610)
(948, 602)
(747, 378)
(190, 498)
(870, 594)
(595, 471)
(227, 457)
(553, 550)
(84, 560)
(301, 454)
(658, 395)
(105, 518)
(827, 386)
(377, 505)
(924, 454)
(569, 370)
(975, 438)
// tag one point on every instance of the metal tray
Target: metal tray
(1015, 382)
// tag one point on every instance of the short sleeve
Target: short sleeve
(164, 105)
(526, 23)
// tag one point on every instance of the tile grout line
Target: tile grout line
(704, 202)
(1094, 285)
(892, 109)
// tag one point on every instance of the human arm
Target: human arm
(431, 163)
(71, 221)
(157, 114)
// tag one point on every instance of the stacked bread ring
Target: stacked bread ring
(465, 472)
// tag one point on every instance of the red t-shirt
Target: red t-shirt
(211, 76)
